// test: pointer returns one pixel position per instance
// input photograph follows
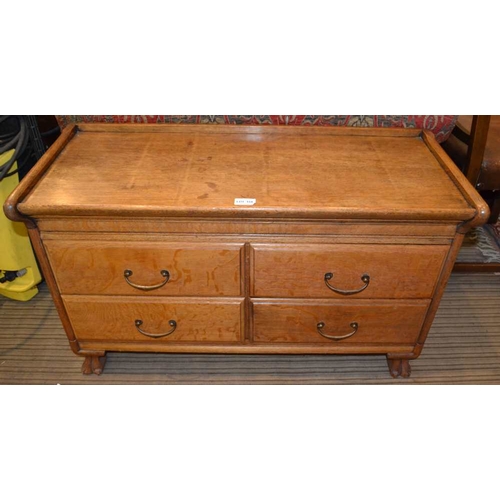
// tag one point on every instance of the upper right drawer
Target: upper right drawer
(343, 270)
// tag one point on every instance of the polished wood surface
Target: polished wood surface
(438, 293)
(477, 144)
(50, 279)
(246, 279)
(482, 211)
(379, 322)
(11, 205)
(395, 271)
(430, 232)
(113, 318)
(476, 267)
(193, 170)
(97, 267)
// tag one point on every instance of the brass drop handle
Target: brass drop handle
(127, 273)
(321, 325)
(172, 323)
(365, 279)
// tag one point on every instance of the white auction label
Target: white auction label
(245, 201)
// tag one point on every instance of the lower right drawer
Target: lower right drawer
(367, 321)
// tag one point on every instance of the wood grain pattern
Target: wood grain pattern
(152, 228)
(113, 318)
(97, 267)
(11, 205)
(200, 173)
(294, 321)
(264, 348)
(443, 279)
(395, 271)
(466, 188)
(50, 279)
(477, 144)
(112, 198)
(183, 128)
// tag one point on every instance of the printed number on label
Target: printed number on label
(244, 201)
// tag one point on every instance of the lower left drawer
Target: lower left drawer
(155, 319)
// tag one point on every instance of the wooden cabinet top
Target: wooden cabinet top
(197, 170)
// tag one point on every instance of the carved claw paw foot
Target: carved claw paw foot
(93, 364)
(399, 367)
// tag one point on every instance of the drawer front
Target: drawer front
(363, 322)
(189, 269)
(189, 320)
(367, 271)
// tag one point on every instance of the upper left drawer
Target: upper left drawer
(145, 268)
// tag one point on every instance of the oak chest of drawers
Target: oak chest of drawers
(227, 239)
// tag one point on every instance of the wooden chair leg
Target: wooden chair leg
(477, 144)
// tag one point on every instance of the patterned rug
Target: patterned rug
(481, 245)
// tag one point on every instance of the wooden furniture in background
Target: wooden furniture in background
(345, 246)
(475, 147)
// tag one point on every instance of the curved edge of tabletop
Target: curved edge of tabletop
(11, 205)
(466, 188)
